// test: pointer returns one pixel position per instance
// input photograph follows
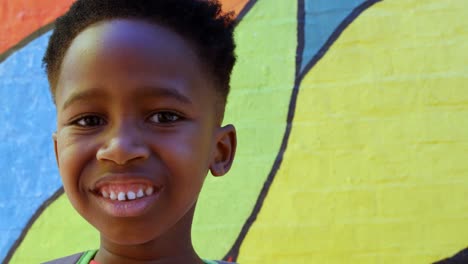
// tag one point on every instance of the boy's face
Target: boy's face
(137, 129)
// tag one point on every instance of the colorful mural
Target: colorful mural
(352, 137)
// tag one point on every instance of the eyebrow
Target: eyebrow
(83, 96)
(146, 91)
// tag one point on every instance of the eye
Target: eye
(89, 121)
(165, 117)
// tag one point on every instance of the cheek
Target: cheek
(71, 157)
(187, 156)
(190, 150)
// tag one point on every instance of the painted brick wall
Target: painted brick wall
(353, 136)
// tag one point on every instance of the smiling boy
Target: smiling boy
(140, 89)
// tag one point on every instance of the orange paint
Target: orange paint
(234, 5)
(20, 18)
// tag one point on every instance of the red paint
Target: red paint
(234, 5)
(20, 18)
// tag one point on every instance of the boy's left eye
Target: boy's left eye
(165, 117)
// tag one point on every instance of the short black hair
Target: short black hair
(201, 22)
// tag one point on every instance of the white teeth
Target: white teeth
(131, 195)
(149, 191)
(140, 193)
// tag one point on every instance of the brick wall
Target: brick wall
(352, 129)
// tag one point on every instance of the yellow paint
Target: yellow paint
(56, 235)
(264, 73)
(375, 170)
(261, 85)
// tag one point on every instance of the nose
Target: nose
(122, 145)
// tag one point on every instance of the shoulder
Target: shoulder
(80, 258)
(460, 258)
(218, 262)
(76, 257)
(66, 260)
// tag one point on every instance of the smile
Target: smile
(124, 192)
(127, 200)
(122, 195)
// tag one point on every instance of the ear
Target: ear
(225, 149)
(54, 138)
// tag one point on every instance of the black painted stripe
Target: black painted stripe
(233, 253)
(459, 258)
(24, 42)
(334, 36)
(31, 221)
(245, 10)
(60, 191)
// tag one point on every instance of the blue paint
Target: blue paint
(322, 17)
(27, 162)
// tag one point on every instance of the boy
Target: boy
(140, 88)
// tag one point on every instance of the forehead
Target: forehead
(131, 53)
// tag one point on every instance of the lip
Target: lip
(128, 208)
(125, 179)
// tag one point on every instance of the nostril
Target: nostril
(122, 151)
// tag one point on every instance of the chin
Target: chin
(127, 237)
(127, 232)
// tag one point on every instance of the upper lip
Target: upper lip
(125, 178)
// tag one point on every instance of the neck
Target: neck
(105, 256)
(173, 247)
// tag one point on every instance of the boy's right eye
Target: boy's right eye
(89, 121)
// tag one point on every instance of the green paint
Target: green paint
(262, 82)
(58, 232)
